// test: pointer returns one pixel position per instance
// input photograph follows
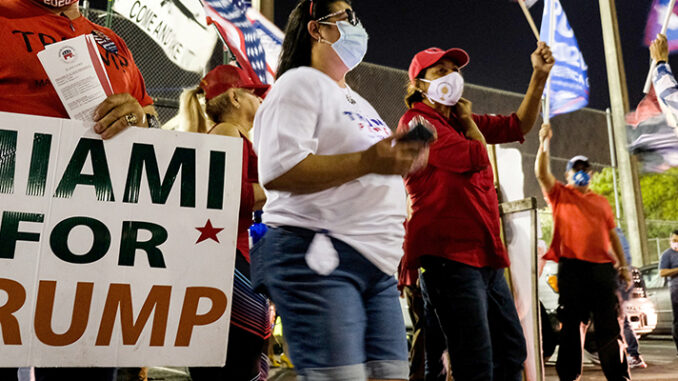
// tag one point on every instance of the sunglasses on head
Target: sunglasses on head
(350, 17)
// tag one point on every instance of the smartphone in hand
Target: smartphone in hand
(420, 130)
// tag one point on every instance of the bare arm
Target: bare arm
(259, 196)
(542, 62)
(668, 272)
(319, 172)
(542, 165)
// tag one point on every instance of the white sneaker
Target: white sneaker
(636, 362)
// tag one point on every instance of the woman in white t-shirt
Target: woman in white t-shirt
(335, 206)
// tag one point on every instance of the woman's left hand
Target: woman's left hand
(116, 113)
(542, 58)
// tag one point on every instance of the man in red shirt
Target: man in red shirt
(27, 26)
(586, 245)
(454, 233)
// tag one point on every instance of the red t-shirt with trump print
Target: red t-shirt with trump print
(24, 85)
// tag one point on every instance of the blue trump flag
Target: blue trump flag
(654, 24)
(569, 76)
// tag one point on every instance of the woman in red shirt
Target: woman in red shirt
(231, 100)
(453, 233)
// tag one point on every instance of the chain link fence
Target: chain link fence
(164, 80)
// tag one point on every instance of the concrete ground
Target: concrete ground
(658, 351)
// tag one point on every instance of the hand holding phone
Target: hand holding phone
(420, 130)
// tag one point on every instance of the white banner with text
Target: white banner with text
(179, 27)
(117, 252)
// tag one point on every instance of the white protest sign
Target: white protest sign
(179, 27)
(117, 252)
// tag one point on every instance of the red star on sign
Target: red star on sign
(208, 232)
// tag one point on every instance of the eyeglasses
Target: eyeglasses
(350, 17)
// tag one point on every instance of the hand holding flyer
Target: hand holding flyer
(79, 77)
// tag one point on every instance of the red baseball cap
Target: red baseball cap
(430, 56)
(224, 77)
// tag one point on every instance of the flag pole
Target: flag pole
(528, 16)
(665, 26)
(631, 199)
(551, 37)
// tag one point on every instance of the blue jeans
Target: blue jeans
(631, 340)
(347, 325)
(478, 317)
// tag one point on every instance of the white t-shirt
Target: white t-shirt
(306, 112)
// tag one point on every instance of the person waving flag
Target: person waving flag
(569, 82)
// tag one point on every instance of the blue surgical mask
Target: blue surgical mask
(581, 178)
(351, 46)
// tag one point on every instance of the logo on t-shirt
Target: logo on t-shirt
(372, 125)
(104, 41)
(67, 54)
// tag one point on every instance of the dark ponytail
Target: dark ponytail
(296, 47)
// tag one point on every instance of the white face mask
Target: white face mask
(351, 46)
(445, 90)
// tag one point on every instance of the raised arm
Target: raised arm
(542, 166)
(542, 63)
(664, 81)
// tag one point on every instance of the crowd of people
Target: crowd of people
(348, 203)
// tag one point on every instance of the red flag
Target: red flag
(650, 137)
(647, 108)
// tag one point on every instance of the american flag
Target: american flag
(239, 34)
(650, 135)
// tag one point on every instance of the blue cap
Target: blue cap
(575, 160)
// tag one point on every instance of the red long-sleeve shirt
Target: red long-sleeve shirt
(455, 212)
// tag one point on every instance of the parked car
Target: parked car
(658, 292)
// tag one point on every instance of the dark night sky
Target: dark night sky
(497, 37)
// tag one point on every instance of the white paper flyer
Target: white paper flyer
(78, 75)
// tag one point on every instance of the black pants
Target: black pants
(589, 289)
(75, 374)
(674, 304)
(9, 374)
(415, 307)
(434, 340)
(477, 315)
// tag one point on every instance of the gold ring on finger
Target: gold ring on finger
(131, 119)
